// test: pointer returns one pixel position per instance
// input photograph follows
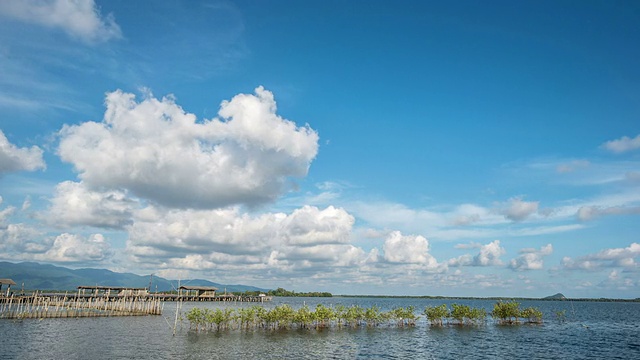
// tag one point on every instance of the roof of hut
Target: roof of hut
(7, 282)
(100, 287)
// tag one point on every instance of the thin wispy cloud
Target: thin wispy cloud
(80, 19)
(623, 144)
(14, 158)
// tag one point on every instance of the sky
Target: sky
(454, 148)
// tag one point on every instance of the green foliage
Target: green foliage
(404, 316)
(561, 316)
(508, 313)
(285, 317)
(341, 313)
(459, 315)
(372, 316)
(247, 317)
(354, 316)
(477, 316)
(196, 318)
(436, 314)
(303, 317)
(532, 315)
(323, 316)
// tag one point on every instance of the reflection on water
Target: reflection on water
(591, 331)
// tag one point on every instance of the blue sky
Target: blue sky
(464, 148)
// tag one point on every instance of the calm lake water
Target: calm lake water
(592, 330)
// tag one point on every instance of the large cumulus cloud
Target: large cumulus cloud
(489, 255)
(531, 259)
(161, 153)
(408, 249)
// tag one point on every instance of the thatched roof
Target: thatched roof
(7, 282)
(116, 288)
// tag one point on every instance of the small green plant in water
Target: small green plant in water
(509, 313)
(436, 315)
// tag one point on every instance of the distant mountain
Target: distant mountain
(557, 296)
(37, 276)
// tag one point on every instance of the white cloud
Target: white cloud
(174, 233)
(13, 158)
(578, 172)
(16, 239)
(72, 248)
(409, 249)
(19, 241)
(394, 215)
(78, 18)
(517, 210)
(572, 166)
(616, 280)
(467, 221)
(321, 256)
(616, 257)
(531, 259)
(309, 240)
(310, 225)
(489, 255)
(441, 225)
(544, 230)
(624, 144)
(26, 204)
(159, 152)
(73, 204)
(469, 214)
(586, 213)
(5, 213)
(472, 245)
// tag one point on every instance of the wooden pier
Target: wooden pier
(96, 301)
(39, 307)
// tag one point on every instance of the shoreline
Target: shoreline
(429, 297)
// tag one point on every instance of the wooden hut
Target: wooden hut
(200, 292)
(108, 291)
(7, 282)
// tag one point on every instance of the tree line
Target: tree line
(286, 293)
